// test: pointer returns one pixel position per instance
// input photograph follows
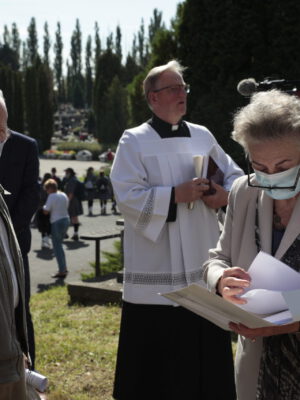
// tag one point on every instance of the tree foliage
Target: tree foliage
(220, 43)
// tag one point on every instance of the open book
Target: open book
(276, 285)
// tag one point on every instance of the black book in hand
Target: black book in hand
(215, 174)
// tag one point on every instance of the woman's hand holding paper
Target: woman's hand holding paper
(233, 283)
(264, 332)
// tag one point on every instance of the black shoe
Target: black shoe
(61, 275)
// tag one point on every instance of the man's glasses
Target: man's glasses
(174, 89)
(293, 187)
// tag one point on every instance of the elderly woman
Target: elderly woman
(263, 214)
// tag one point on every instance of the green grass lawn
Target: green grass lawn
(76, 346)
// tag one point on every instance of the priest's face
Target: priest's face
(168, 99)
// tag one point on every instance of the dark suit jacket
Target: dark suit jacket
(19, 171)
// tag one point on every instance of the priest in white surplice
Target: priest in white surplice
(166, 352)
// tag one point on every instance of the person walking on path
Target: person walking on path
(75, 206)
(90, 188)
(57, 206)
(42, 220)
(103, 184)
(167, 352)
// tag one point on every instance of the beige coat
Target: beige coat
(237, 247)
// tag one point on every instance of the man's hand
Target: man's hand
(191, 190)
(218, 199)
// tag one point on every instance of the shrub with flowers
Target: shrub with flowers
(60, 154)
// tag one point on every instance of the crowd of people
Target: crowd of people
(172, 239)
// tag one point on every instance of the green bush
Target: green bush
(95, 148)
(113, 262)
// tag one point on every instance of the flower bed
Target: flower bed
(59, 154)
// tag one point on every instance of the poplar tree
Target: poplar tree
(118, 44)
(77, 80)
(6, 36)
(47, 44)
(32, 42)
(88, 72)
(58, 63)
(15, 41)
(108, 66)
(97, 43)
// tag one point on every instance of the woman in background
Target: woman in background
(57, 207)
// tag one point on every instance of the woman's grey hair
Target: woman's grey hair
(154, 74)
(269, 115)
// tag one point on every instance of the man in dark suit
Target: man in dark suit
(19, 171)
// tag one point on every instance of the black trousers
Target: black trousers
(170, 353)
(24, 239)
(30, 329)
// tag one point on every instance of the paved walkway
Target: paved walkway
(78, 254)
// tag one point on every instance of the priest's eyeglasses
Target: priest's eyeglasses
(293, 187)
(174, 89)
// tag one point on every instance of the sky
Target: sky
(109, 13)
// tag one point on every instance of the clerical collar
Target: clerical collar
(166, 130)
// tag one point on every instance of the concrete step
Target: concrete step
(104, 291)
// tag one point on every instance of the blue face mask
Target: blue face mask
(287, 178)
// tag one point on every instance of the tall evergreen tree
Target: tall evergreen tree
(224, 42)
(109, 42)
(142, 46)
(131, 69)
(116, 114)
(118, 44)
(32, 42)
(39, 103)
(47, 44)
(138, 108)
(6, 36)
(155, 24)
(97, 43)
(88, 72)
(108, 66)
(16, 41)
(58, 63)
(25, 56)
(76, 48)
(9, 57)
(77, 80)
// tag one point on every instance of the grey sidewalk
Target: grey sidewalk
(78, 254)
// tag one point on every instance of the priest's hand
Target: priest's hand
(232, 284)
(218, 199)
(191, 190)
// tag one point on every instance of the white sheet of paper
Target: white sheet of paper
(269, 273)
(263, 301)
(281, 318)
(198, 164)
(269, 278)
